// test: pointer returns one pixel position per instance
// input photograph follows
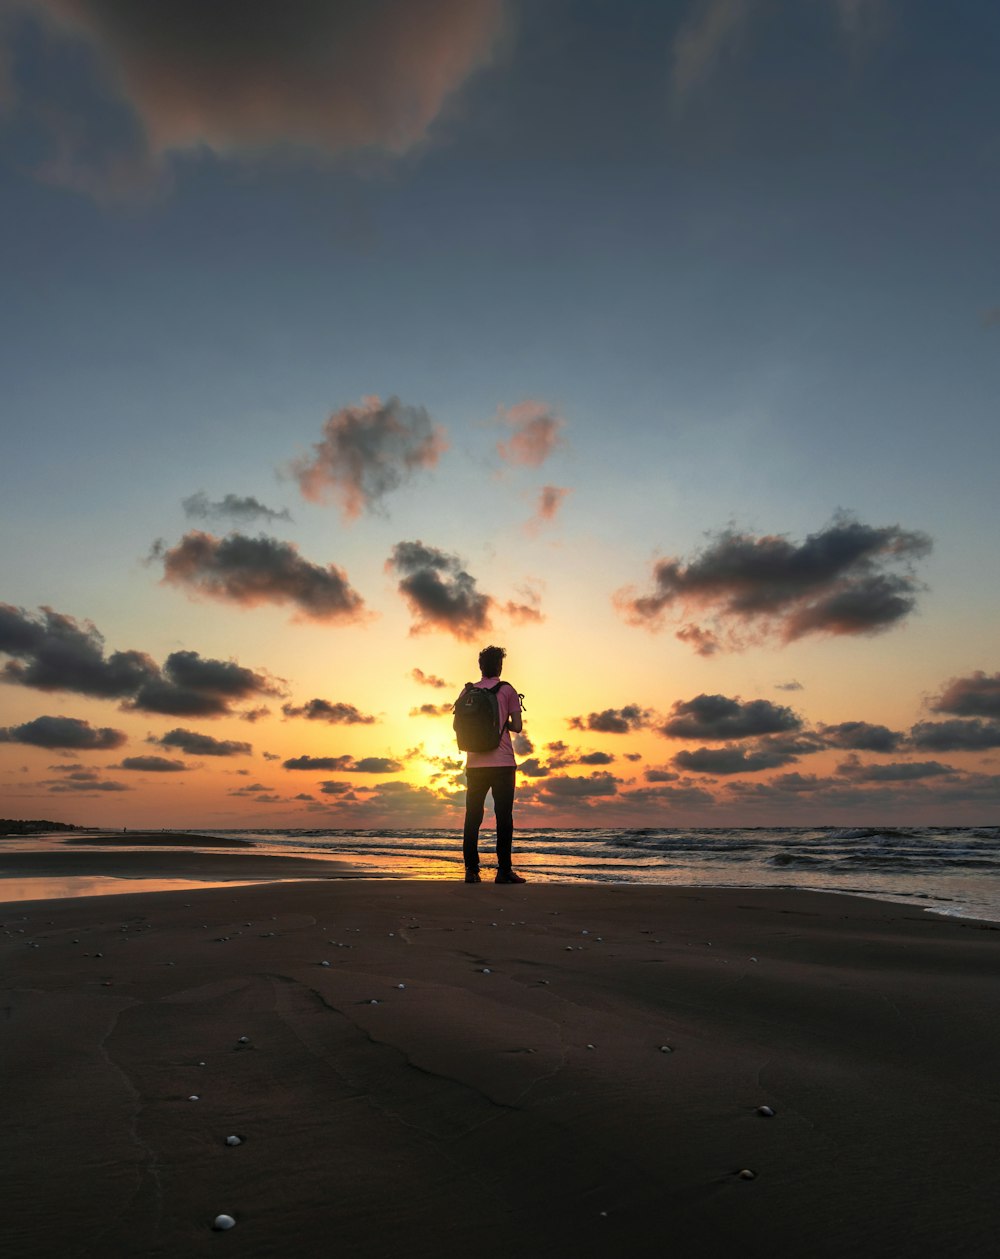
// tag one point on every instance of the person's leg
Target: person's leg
(503, 781)
(475, 797)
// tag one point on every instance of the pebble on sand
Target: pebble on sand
(194, 1098)
(765, 1111)
(666, 1049)
(324, 963)
(747, 1174)
(222, 1222)
(234, 1140)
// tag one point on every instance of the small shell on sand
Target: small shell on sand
(222, 1222)
(324, 963)
(401, 985)
(244, 1040)
(666, 1049)
(234, 1140)
(765, 1111)
(747, 1174)
(487, 971)
(374, 1001)
(194, 1098)
(590, 1046)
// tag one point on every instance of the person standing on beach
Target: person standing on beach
(494, 771)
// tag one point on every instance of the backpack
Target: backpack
(477, 718)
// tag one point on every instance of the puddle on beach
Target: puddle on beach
(49, 887)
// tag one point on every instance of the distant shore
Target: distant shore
(437, 1069)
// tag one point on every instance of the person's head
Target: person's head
(491, 661)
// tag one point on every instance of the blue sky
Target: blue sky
(742, 255)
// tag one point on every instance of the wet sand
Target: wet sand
(403, 1101)
(171, 839)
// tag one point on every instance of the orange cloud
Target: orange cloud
(237, 77)
(537, 432)
(367, 451)
(550, 499)
(250, 571)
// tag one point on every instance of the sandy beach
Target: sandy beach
(435, 1069)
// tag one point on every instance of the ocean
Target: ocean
(943, 869)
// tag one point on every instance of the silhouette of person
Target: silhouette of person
(494, 771)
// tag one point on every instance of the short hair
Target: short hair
(491, 661)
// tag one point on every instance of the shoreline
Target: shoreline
(556, 1068)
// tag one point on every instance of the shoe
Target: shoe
(508, 876)
(472, 876)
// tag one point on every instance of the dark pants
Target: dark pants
(500, 780)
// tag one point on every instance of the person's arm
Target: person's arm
(514, 719)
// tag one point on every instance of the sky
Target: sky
(658, 343)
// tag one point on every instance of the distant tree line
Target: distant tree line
(31, 826)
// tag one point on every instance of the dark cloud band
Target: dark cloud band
(251, 571)
(848, 578)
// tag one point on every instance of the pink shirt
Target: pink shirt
(503, 754)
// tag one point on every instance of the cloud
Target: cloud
(613, 720)
(599, 784)
(83, 782)
(151, 765)
(366, 452)
(431, 710)
(671, 796)
(192, 685)
(955, 736)
(595, 758)
(375, 765)
(714, 28)
(441, 595)
(732, 760)
(200, 744)
(536, 433)
(337, 714)
(332, 788)
(527, 613)
(531, 767)
(716, 31)
(251, 571)
(894, 771)
(975, 696)
(317, 762)
(63, 733)
(703, 641)
(428, 679)
(836, 582)
(550, 499)
(54, 652)
(242, 510)
(660, 776)
(720, 717)
(522, 744)
(253, 715)
(346, 764)
(329, 78)
(861, 736)
(788, 686)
